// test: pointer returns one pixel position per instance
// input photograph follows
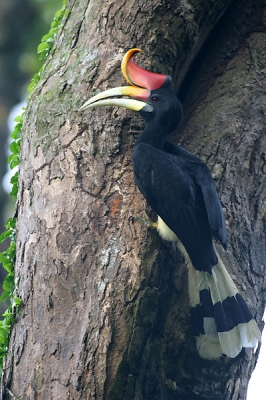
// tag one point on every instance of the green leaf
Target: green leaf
(35, 80)
(9, 268)
(17, 301)
(11, 223)
(14, 191)
(19, 125)
(14, 148)
(5, 235)
(19, 118)
(46, 37)
(36, 77)
(3, 334)
(9, 318)
(43, 55)
(16, 132)
(7, 286)
(6, 314)
(9, 279)
(53, 31)
(4, 296)
(4, 258)
(13, 160)
(43, 47)
(11, 250)
(14, 178)
(31, 86)
(10, 158)
(58, 14)
(51, 40)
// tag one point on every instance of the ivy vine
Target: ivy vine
(7, 258)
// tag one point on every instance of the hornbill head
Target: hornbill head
(150, 93)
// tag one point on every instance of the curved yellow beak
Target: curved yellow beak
(104, 99)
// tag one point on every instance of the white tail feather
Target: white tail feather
(213, 344)
(209, 346)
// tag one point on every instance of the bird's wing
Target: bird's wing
(177, 199)
(202, 176)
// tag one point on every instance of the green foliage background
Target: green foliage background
(44, 10)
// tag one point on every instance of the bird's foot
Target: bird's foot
(147, 221)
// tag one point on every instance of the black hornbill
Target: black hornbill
(179, 188)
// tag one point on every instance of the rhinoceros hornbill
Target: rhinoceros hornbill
(180, 189)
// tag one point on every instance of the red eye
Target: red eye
(154, 98)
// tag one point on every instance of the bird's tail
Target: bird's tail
(222, 321)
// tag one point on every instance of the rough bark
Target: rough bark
(105, 310)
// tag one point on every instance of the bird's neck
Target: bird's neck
(153, 136)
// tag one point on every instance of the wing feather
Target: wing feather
(202, 176)
(177, 199)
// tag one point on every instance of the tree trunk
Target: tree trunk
(105, 311)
